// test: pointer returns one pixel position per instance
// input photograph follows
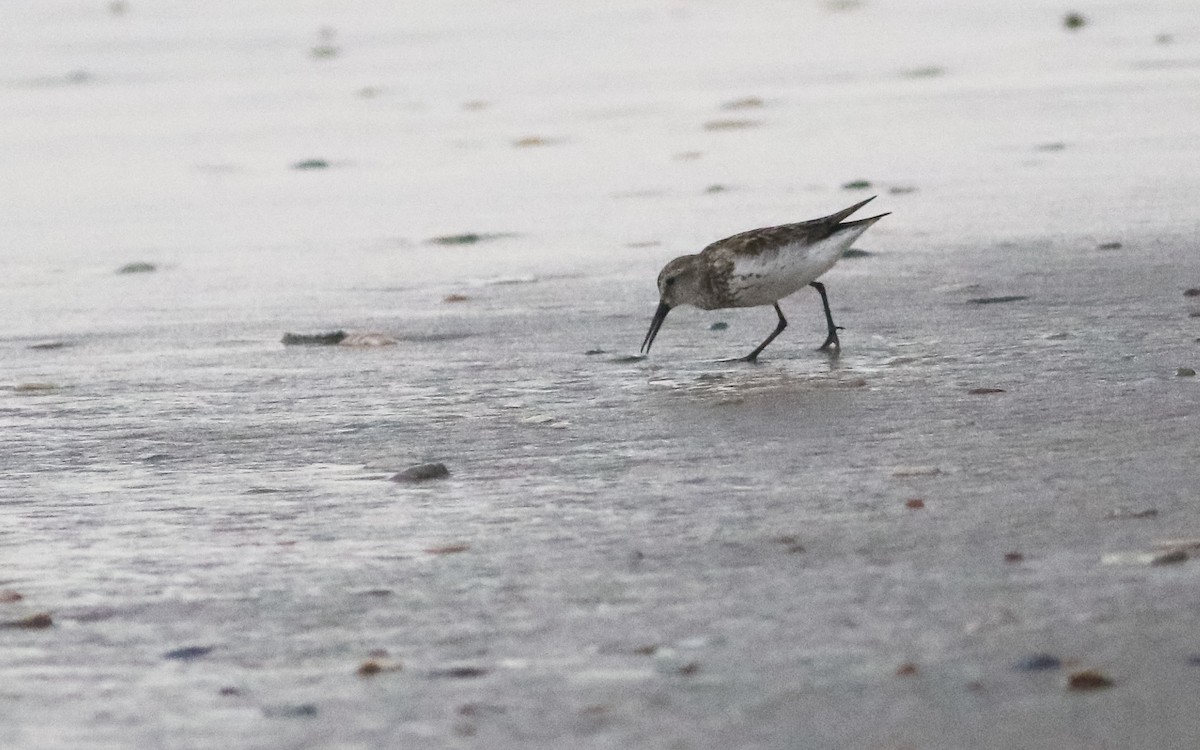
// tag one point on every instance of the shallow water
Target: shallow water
(664, 552)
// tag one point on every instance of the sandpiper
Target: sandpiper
(760, 267)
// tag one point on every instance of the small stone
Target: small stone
(1185, 372)
(1038, 663)
(646, 650)
(229, 690)
(139, 267)
(455, 298)
(1073, 21)
(749, 102)
(907, 669)
(915, 503)
(468, 238)
(857, 185)
(985, 391)
(311, 164)
(460, 673)
(188, 653)
(49, 346)
(1109, 246)
(594, 352)
(32, 622)
(1193, 292)
(372, 667)
(422, 473)
(8, 597)
(1013, 557)
(449, 549)
(291, 711)
(1088, 679)
(997, 300)
(720, 325)
(331, 338)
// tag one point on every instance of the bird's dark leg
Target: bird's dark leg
(753, 356)
(832, 338)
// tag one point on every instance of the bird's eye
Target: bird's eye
(670, 281)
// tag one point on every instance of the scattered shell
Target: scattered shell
(449, 549)
(1185, 372)
(730, 124)
(907, 669)
(455, 298)
(915, 503)
(857, 185)
(1088, 679)
(997, 300)
(422, 472)
(311, 164)
(139, 267)
(372, 667)
(188, 653)
(985, 391)
(916, 471)
(1161, 557)
(331, 338)
(32, 622)
(1038, 663)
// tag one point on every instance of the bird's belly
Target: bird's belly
(763, 280)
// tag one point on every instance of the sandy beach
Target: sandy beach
(975, 527)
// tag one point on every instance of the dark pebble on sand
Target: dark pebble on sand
(857, 185)
(1193, 292)
(984, 391)
(32, 622)
(720, 325)
(188, 653)
(140, 267)
(49, 346)
(1089, 679)
(422, 472)
(460, 673)
(332, 338)
(594, 352)
(467, 238)
(997, 300)
(1073, 21)
(311, 164)
(1109, 246)
(1038, 663)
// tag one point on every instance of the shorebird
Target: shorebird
(760, 267)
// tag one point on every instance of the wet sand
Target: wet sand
(674, 552)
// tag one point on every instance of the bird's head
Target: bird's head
(678, 284)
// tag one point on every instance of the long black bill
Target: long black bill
(659, 316)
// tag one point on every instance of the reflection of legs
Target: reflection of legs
(832, 338)
(753, 356)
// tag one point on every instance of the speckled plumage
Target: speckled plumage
(760, 267)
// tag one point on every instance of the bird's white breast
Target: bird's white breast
(770, 276)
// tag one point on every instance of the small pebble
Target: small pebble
(857, 185)
(9, 596)
(1193, 292)
(468, 238)
(533, 140)
(594, 352)
(229, 690)
(1013, 557)
(460, 673)
(188, 653)
(984, 391)
(915, 503)
(749, 102)
(455, 298)
(294, 711)
(720, 325)
(372, 667)
(1088, 679)
(32, 622)
(1038, 663)
(1109, 246)
(1073, 21)
(1185, 372)
(331, 338)
(907, 669)
(729, 124)
(449, 549)
(137, 268)
(422, 473)
(997, 300)
(311, 164)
